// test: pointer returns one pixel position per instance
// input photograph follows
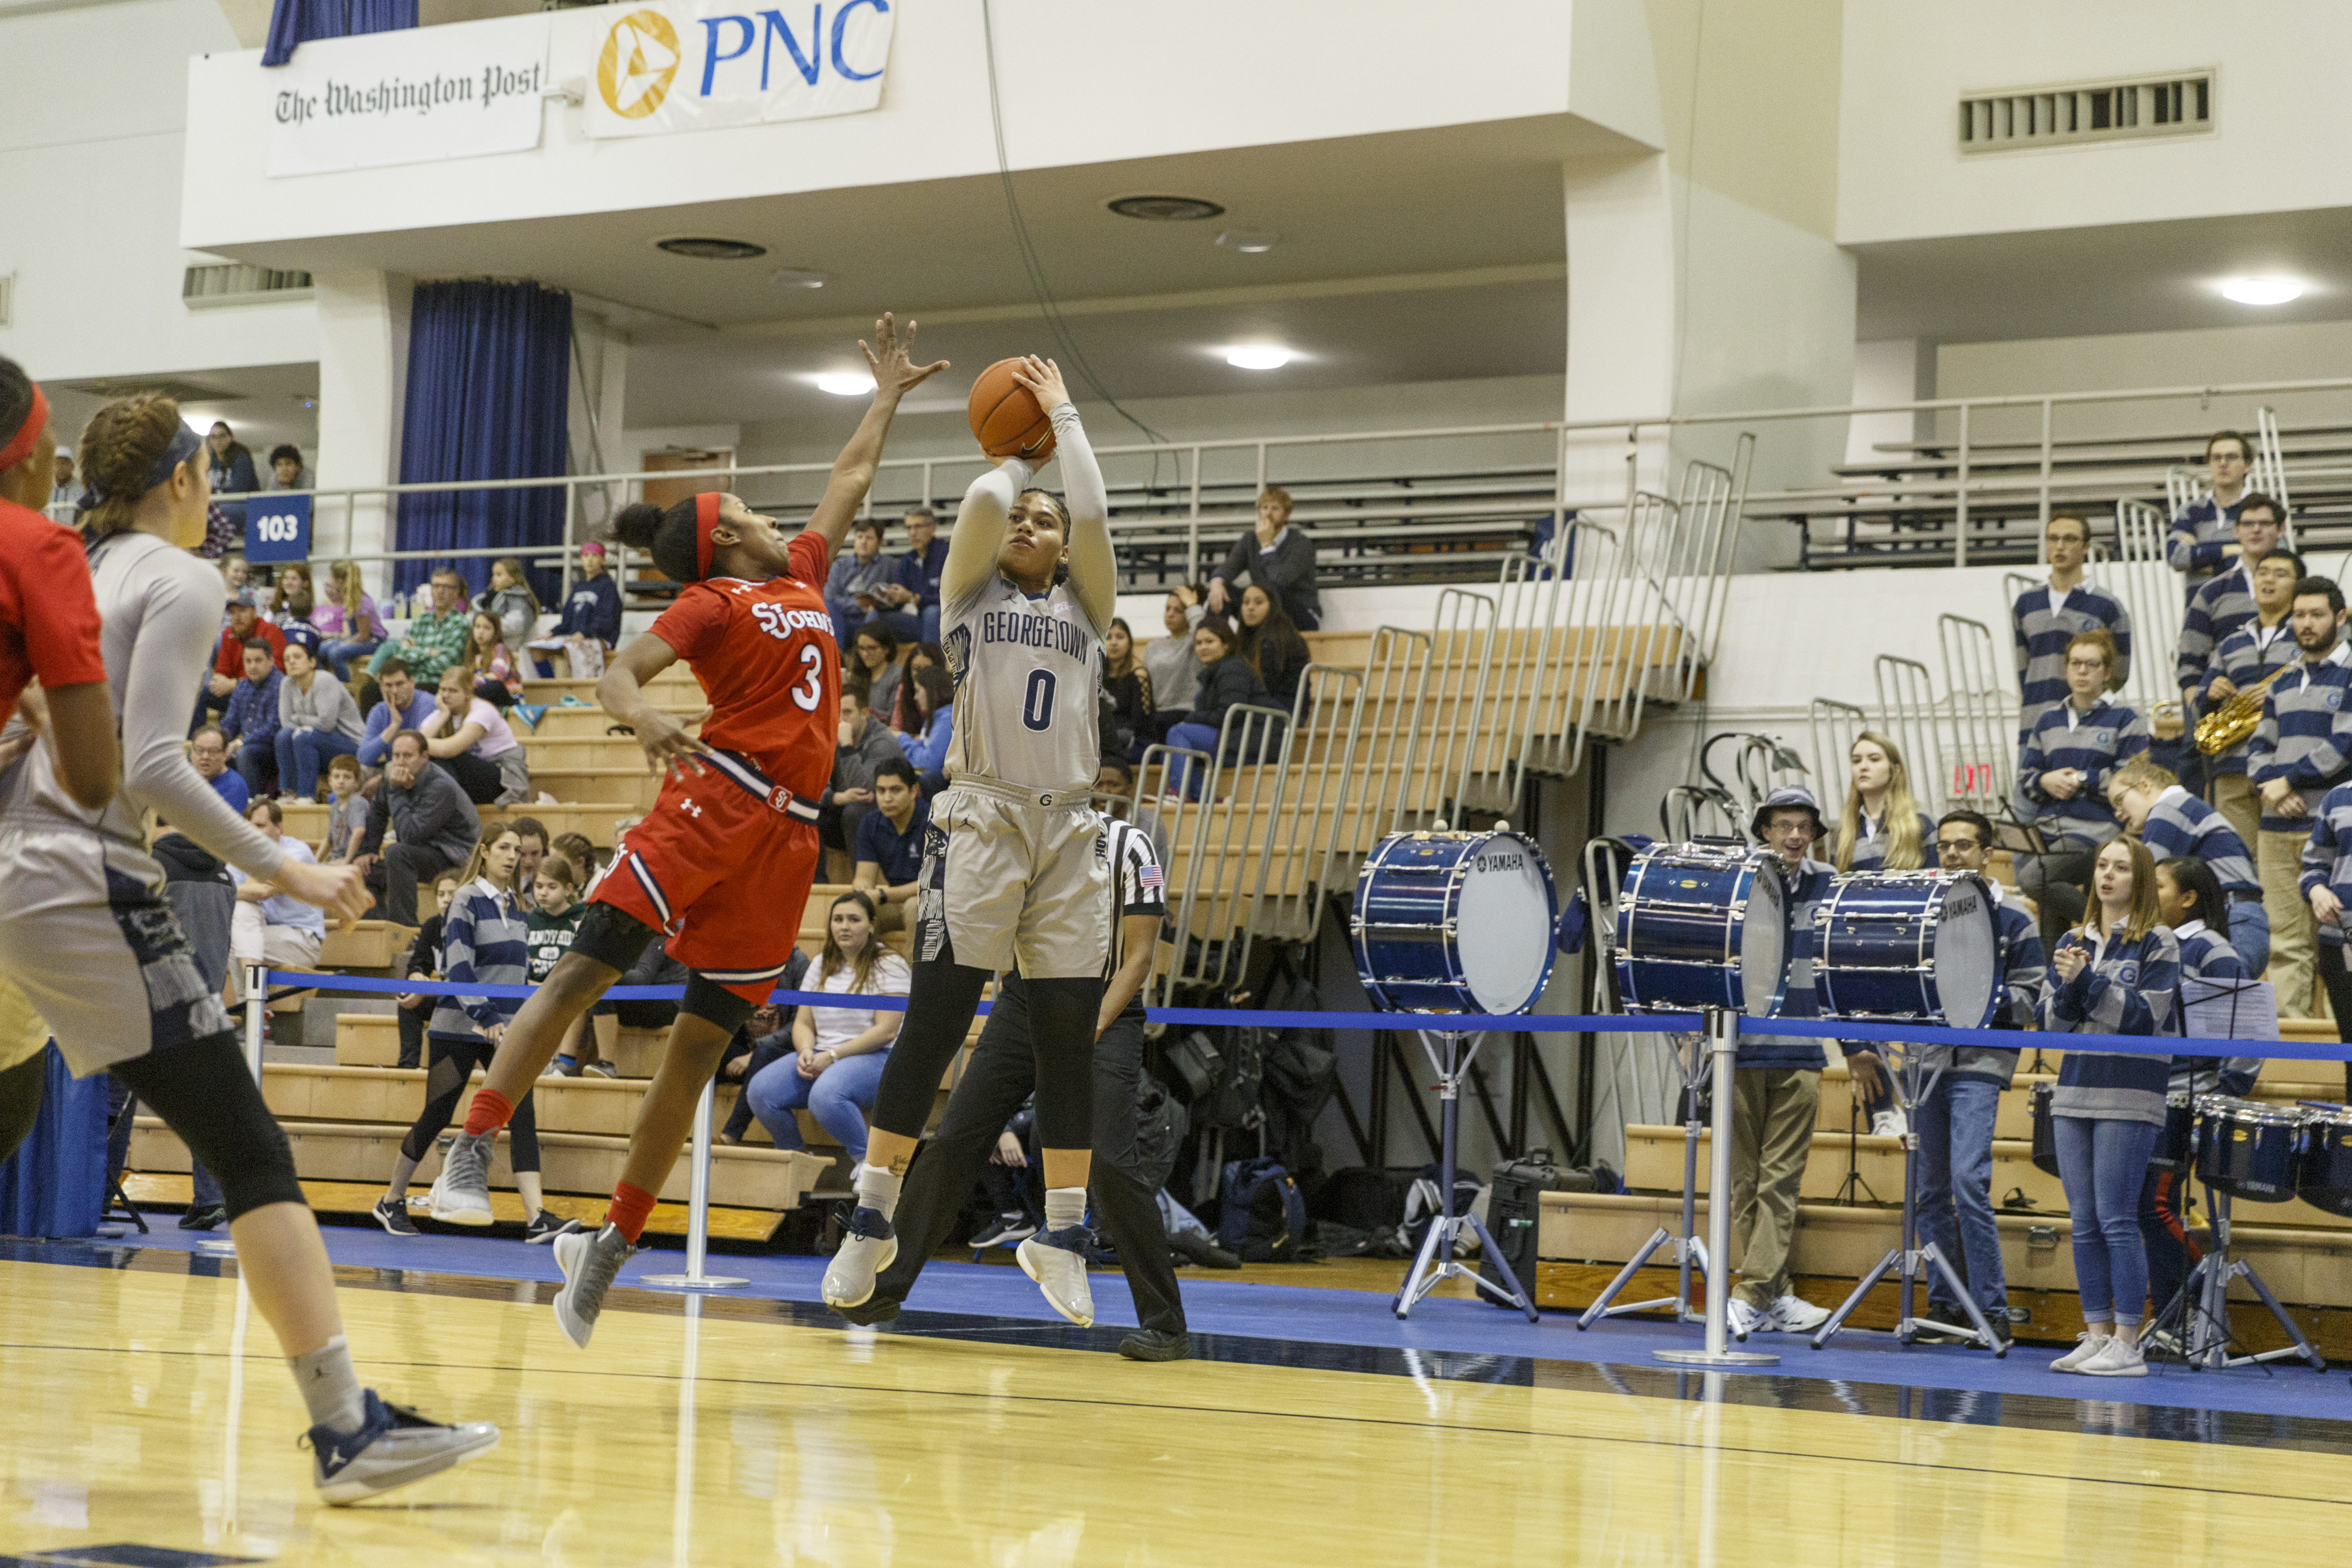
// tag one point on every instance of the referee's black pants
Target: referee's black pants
(998, 1079)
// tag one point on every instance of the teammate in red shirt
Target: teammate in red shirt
(722, 865)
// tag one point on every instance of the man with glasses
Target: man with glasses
(1954, 1120)
(2062, 776)
(2198, 545)
(2302, 749)
(2176, 825)
(2240, 661)
(2046, 617)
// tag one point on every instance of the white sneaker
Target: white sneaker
(1056, 1259)
(1795, 1315)
(2115, 1359)
(461, 1192)
(2074, 1360)
(1889, 1124)
(1744, 1320)
(869, 1246)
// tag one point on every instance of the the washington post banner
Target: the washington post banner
(410, 96)
(696, 65)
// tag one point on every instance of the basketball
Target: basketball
(1005, 418)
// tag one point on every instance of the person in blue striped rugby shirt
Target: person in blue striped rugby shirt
(2173, 823)
(2302, 749)
(2063, 775)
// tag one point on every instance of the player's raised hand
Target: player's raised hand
(895, 373)
(338, 890)
(668, 748)
(1044, 378)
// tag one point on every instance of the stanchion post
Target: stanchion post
(257, 998)
(697, 1212)
(1723, 1047)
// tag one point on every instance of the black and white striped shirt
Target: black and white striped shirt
(1137, 887)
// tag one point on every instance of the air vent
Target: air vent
(232, 283)
(2176, 105)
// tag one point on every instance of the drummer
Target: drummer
(2171, 821)
(1776, 1091)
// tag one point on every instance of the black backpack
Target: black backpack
(1264, 1219)
(1515, 1208)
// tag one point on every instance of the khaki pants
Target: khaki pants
(2235, 798)
(2279, 860)
(1771, 1134)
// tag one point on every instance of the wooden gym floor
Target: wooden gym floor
(144, 1418)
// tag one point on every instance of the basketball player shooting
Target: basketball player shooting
(721, 866)
(1012, 870)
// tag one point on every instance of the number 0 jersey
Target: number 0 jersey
(769, 664)
(1028, 675)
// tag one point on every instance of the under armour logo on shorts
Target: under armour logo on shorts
(688, 808)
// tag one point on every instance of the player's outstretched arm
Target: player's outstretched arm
(979, 525)
(895, 373)
(1094, 569)
(621, 692)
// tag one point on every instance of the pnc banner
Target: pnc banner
(412, 96)
(696, 65)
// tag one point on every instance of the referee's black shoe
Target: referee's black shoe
(1156, 1344)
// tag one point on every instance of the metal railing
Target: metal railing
(1906, 715)
(1982, 767)
(1831, 726)
(2155, 597)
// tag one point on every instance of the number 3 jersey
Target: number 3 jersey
(1028, 675)
(769, 666)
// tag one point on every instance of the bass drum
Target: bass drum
(1702, 925)
(1455, 922)
(1908, 944)
(2322, 1166)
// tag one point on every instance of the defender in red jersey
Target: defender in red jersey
(721, 866)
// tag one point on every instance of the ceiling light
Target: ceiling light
(1166, 209)
(794, 277)
(1248, 241)
(1258, 356)
(703, 248)
(845, 383)
(2270, 290)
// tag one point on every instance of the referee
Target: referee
(1000, 1075)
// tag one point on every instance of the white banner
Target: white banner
(414, 96)
(696, 65)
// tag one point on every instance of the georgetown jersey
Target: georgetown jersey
(1027, 675)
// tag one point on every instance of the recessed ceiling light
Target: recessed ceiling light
(794, 277)
(703, 248)
(845, 383)
(1248, 241)
(2261, 291)
(1166, 209)
(1258, 356)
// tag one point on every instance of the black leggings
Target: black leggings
(454, 1062)
(940, 1009)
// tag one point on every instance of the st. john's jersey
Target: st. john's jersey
(1028, 678)
(769, 666)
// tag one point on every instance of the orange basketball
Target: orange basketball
(1005, 418)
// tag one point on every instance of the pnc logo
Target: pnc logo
(639, 62)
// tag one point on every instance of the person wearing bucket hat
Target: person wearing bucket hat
(1778, 1087)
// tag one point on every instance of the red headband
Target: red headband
(20, 445)
(706, 518)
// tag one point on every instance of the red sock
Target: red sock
(489, 1112)
(631, 1207)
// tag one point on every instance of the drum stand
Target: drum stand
(2204, 1300)
(1722, 1047)
(1918, 1082)
(1691, 1059)
(1436, 1263)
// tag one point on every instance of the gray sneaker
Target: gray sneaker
(589, 1263)
(869, 1246)
(1056, 1259)
(394, 1446)
(461, 1192)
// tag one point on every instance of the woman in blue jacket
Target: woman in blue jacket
(927, 747)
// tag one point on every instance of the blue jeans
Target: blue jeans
(303, 754)
(255, 764)
(849, 620)
(1203, 738)
(838, 1096)
(2250, 933)
(1954, 1128)
(2103, 1166)
(930, 621)
(338, 652)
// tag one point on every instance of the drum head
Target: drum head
(1503, 924)
(1763, 942)
(1968, 959)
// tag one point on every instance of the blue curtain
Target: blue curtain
(55, 1184)
(488, 398)
(299, 21)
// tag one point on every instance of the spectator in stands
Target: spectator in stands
(250, 723)
(1955, 1120)
(316, 722)
(208, 751)
(2174, 824)
(2325, 882)
(1272, 645)
(288, 471)
(2198, 545)
(2072, 751)
(913, 585)
(889, 854)
(470, 738)
(1115, 786)
(1126, 692)
(510, 601)
(270, 928)
(576, 847)
(62, 481)
(498, 674)
(862, 746)
(424, 962)
(2302, 749)
(769, 1031)
(1776, 1091)
(231, 466)
(297, 604)
(533, 848)
(235, 573)
(1175, 671)
(838, 1052)
(1277, 555)
(553, 919)
(346, 619)
(2044, 617)
(2225, 601)
(2260, 647)
(437, 827)
(245, 622)
(347, 810)
(855, 593)
(872, 670)
(433, 642)
(404, 706)
(1882, 828)
(926, 745)
(2118, 973)
(590, 625)
(905, 713)
(1226, 681)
